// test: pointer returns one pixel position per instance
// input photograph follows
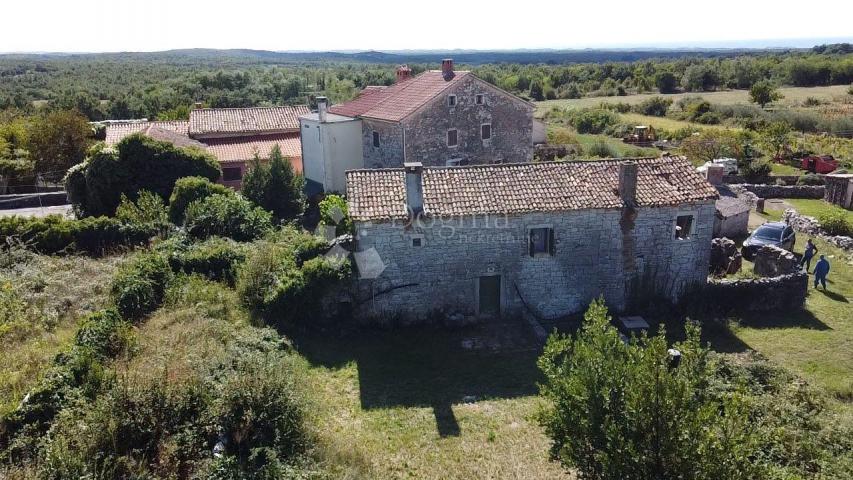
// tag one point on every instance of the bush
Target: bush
(139, 286)
(655, 106)
(592, 120)
(188, 190)
(148, 209)
(601, 149)
(216, 259)
(810, 179)
(104, 333)
(275, 187)
(835, 222)
(620, 410)
(756, 171)
(335, 212)
(56, 234)
(138, 163)
(229, 216)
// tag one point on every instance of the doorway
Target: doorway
(490, 295)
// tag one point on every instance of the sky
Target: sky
(154, 25)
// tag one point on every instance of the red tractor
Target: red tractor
(819, 163)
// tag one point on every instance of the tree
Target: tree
(536, 91)
(711, 144)
(777, 138)
(666, 82)
(275, 187)
(57, 141)
(629, 411)
(763, 92)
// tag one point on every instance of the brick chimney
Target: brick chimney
(414, 188)
(447, 68)
(714, 174)
(403, 73)
(628, 183)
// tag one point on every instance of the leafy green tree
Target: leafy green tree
(711, 144)
(628, 411)
(764, 92)
(57, 141)
(666, 82)
(275, 187)
(536, 91)
(776, 137)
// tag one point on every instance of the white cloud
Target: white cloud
(122, 25)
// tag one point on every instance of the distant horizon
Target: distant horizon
(764, 44)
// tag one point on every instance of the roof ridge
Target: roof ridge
(408, 84)
(246, 108)
(521, 164)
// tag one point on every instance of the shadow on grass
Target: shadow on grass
(783, 319)
(429, 367)
(837, 297)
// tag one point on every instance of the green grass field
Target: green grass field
(794, 96)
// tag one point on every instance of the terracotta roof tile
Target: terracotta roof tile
(525, 188)
(238, 149)
(397, 101)
(207, 121)
(116, 131)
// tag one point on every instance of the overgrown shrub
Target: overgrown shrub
(335, 212)
(229, 216)
(215, 258)
(104, 333)
(835, 222)
(148, 209)
(140, 285)
(655, 106)
(188, 190)
(137, 163)
(591, 120)
(56, 234)
(601, 149)
(756, 171)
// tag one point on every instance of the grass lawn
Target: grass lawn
(793, 96)
(814, 208)
(665, 123)
(416, 404)
(783, 169)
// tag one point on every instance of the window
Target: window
(375, 139)
(541, 241)
(480, 99)
(452, 138)
(453, 162)
(231, 174)
(417, 241)
(486, 131)
(451, 100)
(683, 227)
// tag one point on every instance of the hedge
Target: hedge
(55, 233)
(229, 216)
(188, 190)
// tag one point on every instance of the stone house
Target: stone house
(537, 238)
(232, 135)
(437, 118)
(839, 189)
(732, 217)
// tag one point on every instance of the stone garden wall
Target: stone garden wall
(756, 295)
(810, 226)
(780, 191)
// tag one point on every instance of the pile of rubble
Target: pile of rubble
(772, 261)
(725, 257)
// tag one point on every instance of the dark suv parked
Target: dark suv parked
(778, 234)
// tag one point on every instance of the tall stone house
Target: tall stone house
(438, 118)
(233, 135)
(538, 238)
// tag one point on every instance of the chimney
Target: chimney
(403, 73)
(628, 183)
(447, 68)
(714, 174)
(414, 188)
(321, 109)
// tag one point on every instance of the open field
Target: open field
(794, 96)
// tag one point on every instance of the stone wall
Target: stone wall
(839, 190)
(777, 191)
(511, 123)
(769, 180)
(597, 252)
(786, 292)
(810, 226)
(389, 153)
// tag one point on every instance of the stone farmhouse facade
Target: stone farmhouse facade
(233, 135)
(438, 118)
(537, 238)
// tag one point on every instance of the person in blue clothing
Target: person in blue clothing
(808, 254)
(821, 269)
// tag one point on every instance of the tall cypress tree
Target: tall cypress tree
(275, 186)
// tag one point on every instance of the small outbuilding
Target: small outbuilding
(732, 217)
(839, 190)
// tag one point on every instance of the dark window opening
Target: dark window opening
(452, 138)
(451, 100)
(683, 226)
(231, 174)
(375, 139)
(486, 131)
(480, 99)
(417, 242)
(541, 241)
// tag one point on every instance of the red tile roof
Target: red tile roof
(525, 188)
(397, 101)
(116, 131)
(255, 120)
(238, 149)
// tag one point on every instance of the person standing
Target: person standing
(821, 270)
(811, 250)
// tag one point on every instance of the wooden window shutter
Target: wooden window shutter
(551, 245)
